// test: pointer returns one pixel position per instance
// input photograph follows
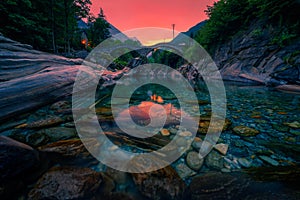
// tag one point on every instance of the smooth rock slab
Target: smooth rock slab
(31, 79)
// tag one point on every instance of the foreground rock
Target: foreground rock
(211, 185)
(16, 159)
(69, 152)
(32, 75)
(161, 184)
(184, 171)
(221, 148)
(68, 183)
(19, 165)
(259, 183)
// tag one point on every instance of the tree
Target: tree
(101, 14)
(227, 17)
(99, 29)
(46, 25)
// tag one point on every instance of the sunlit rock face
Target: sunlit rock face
(140, 114)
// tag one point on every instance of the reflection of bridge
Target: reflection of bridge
(145, 50)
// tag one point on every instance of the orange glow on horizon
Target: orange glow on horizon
(126, 15)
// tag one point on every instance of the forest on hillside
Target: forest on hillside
(52, 25)
(228, 17)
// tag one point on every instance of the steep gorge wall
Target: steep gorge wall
(252, 56)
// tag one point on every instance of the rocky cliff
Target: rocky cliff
(253, 56)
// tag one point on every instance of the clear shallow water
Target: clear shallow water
(268, 111)
(264, 109)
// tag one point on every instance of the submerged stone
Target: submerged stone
(295, 131)
(294, 124)
(214, 160)
(269, 160)
(245, 131)
(221, 148)
(244, 162)
(280, 128)
(185, 134)
(211, 185)
(184, 171)
(193, 160)
(165, 132)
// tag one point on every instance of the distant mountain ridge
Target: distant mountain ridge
(112, 30)
(193, 30)
(191, 33)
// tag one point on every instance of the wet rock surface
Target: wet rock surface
(67, 182)
(34, 79)
(254, 59)
(20, 165)
(16, 159)
(245, 131)
(214, 160)
(68, 152)
(216, 185)
(193, 160)
(161, 184)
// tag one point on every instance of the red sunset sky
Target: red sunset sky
(129, 14)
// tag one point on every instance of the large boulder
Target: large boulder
(69, 183)
(16, 159)
(19, 165)
(161, 184)
(30, 79)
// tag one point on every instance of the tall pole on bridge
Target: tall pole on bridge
(173, 26)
